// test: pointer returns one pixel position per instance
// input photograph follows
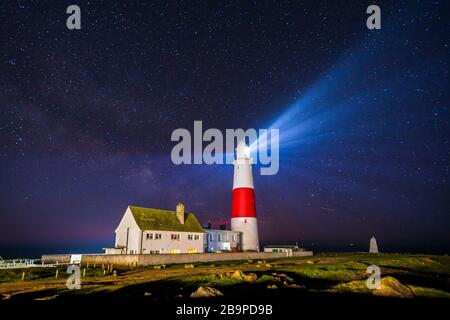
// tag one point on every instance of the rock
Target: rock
(285, 277)
(391, 287)
(156, 267)
(293, 285)
(272, 286)
(282, 277)
(204, 292)
(188, 266)
(310, 262)
(251, 277)
(268, 265)
(238, 275)
(5, 296)
(46, 298)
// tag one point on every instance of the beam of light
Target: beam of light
(346, 132)
(359, 82)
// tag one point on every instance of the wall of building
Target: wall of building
(56, 258)
(158, 259)
(128, 233)
(302, 253)
(226, 242)
(167, 245)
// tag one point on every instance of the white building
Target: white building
(222, 240)
(153, 231)
(282, 248)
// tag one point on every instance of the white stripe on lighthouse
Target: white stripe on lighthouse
(243, 177)
(249, 232)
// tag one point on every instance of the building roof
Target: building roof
(164, 220)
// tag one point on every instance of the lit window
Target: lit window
(175, 236)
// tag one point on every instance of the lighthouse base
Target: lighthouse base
(249, 229)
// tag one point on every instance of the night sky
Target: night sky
(86, 118)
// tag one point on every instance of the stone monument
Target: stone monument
(373, 248)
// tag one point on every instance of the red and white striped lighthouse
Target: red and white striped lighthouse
(243, 213)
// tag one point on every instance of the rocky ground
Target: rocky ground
(344, 276)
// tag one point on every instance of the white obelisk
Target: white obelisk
(373, 248)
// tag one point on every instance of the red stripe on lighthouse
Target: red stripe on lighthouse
(243, 203)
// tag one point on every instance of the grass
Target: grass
(44, 273)
(430, 292)
(211, 280)
(419, 264)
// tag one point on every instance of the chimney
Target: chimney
(180, 212)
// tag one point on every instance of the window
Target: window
(149, 236)
(190, 237)
(174, 236)
(219, 237)
(226, 238)
(234, 238)
(211, 237)
(196, 237)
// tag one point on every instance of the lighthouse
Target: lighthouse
(243, 213)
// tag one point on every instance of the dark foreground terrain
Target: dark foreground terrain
(328, 283)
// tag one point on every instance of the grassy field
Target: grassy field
(410, 277)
